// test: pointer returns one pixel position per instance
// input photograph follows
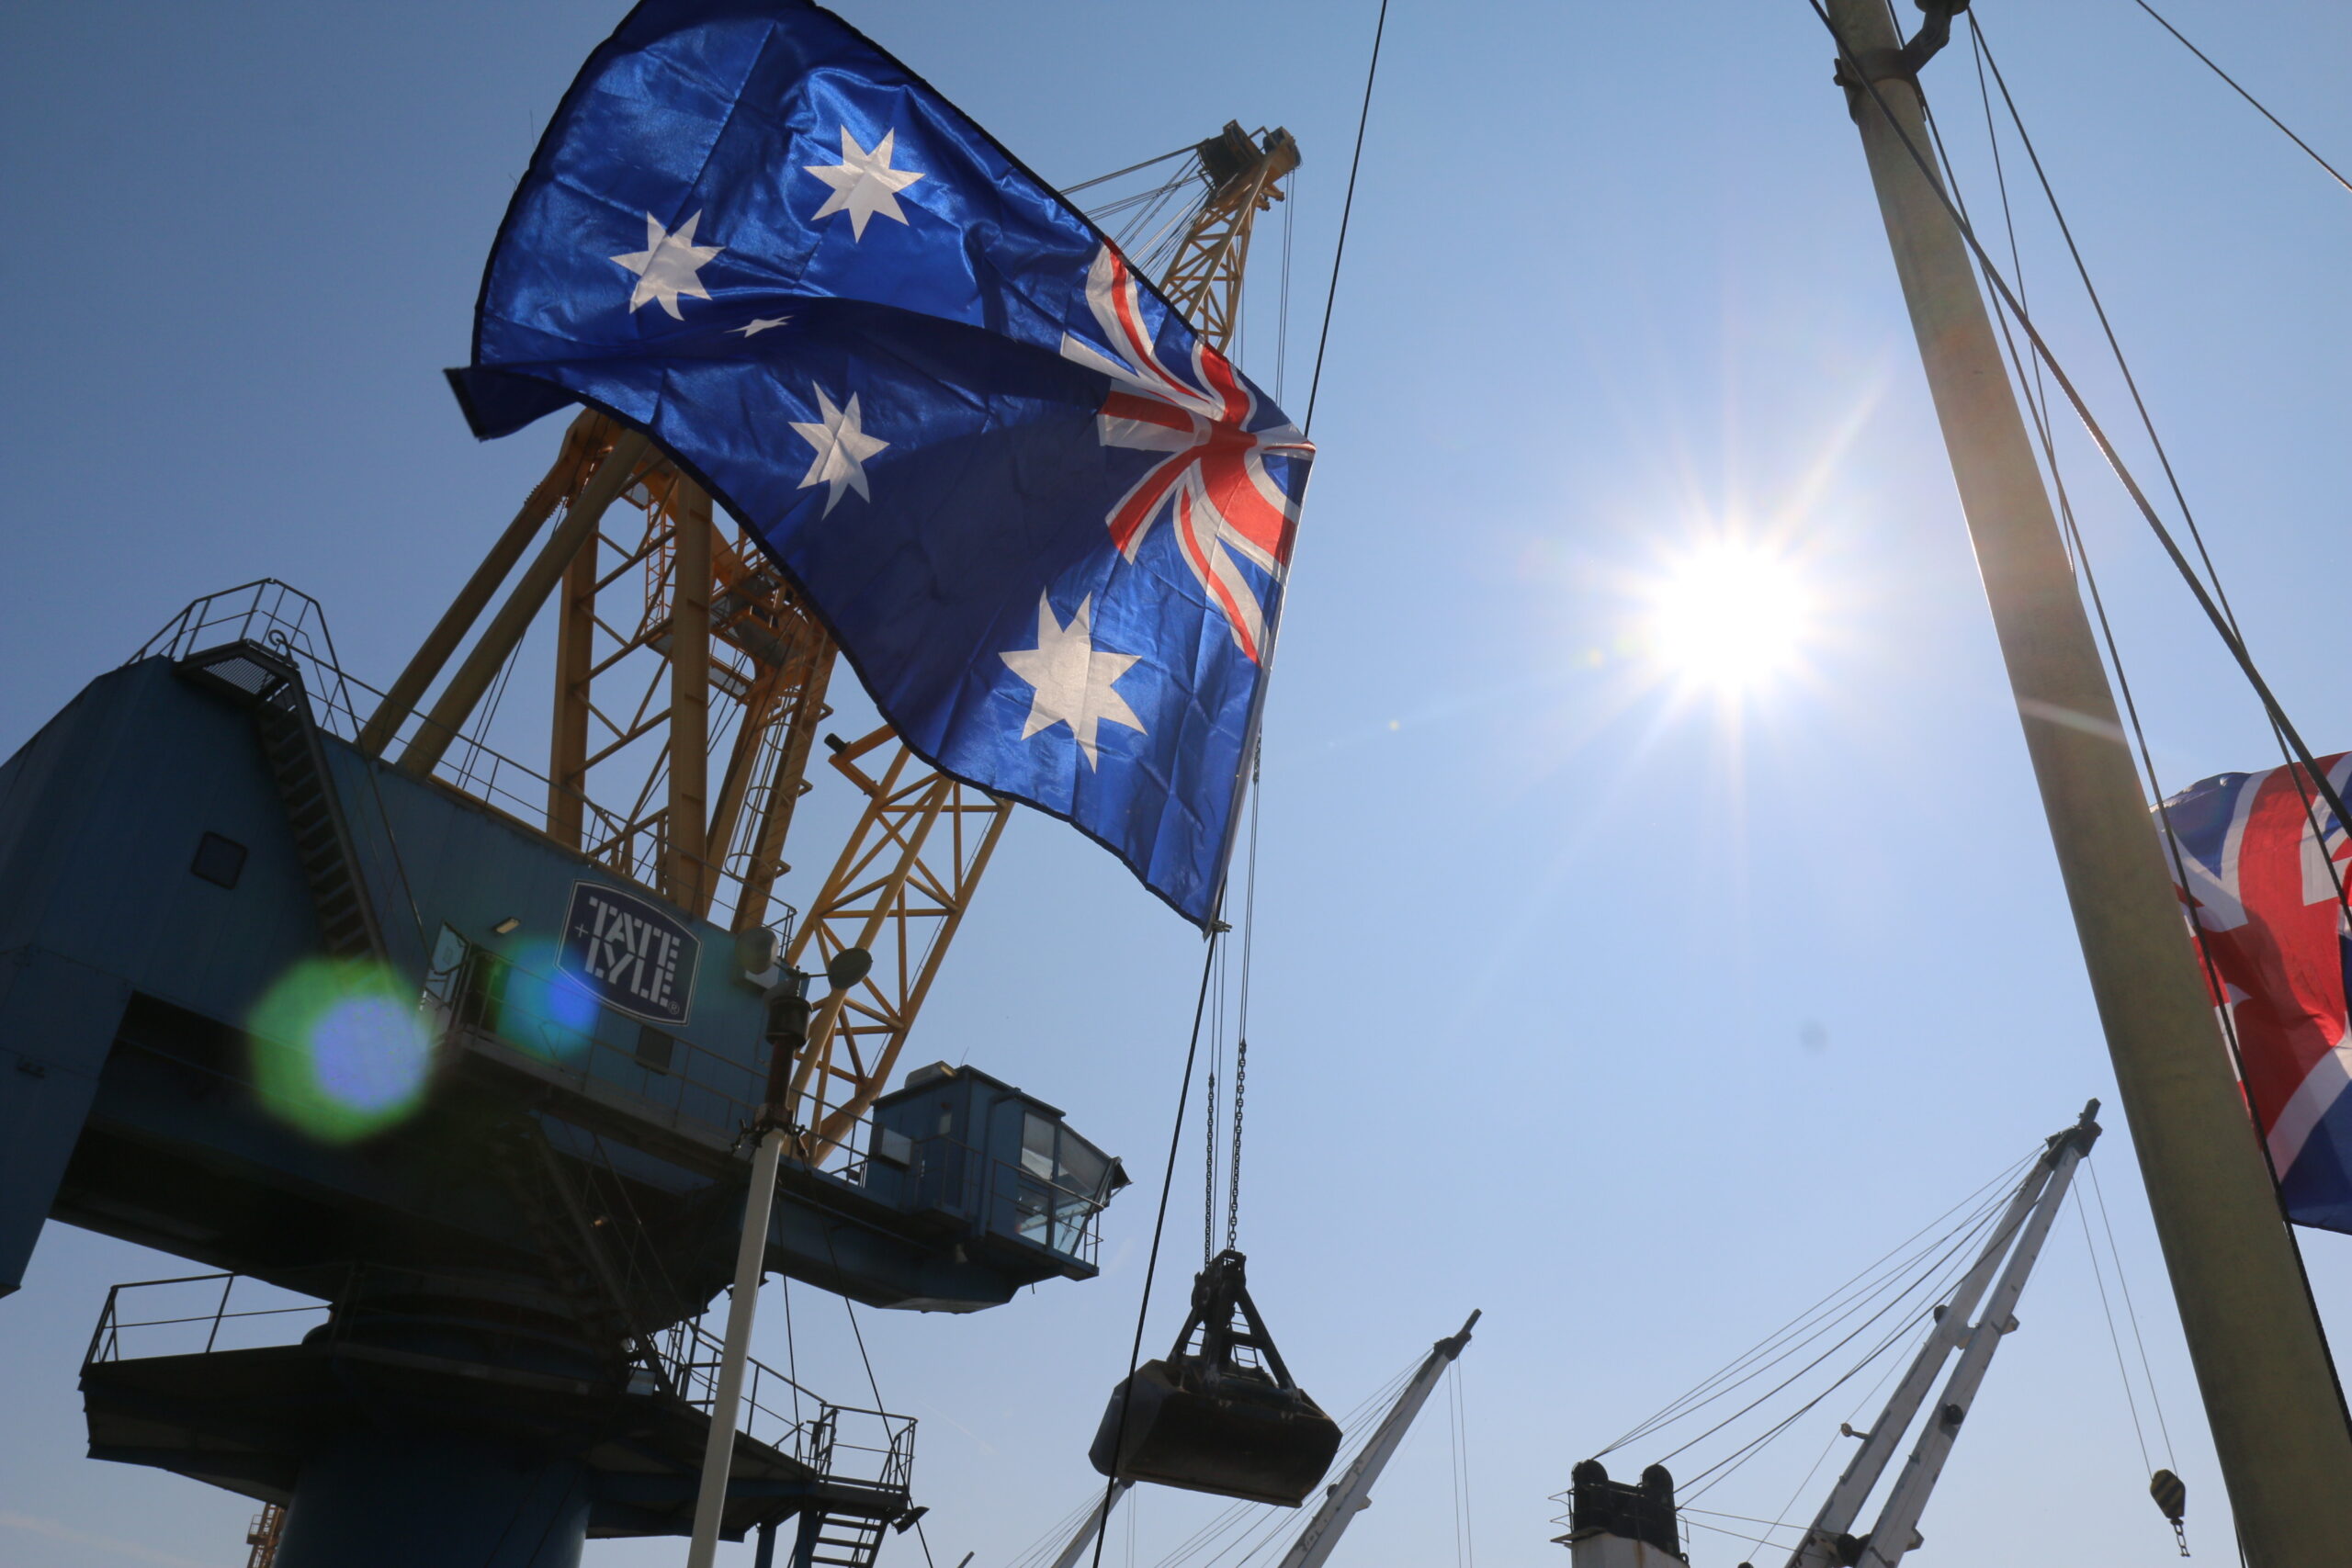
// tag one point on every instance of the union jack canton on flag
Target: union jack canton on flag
(2265, 888)
(1047, 523)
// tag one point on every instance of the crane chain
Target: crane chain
(1233, 1191)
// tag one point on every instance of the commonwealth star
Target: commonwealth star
(667, 266)
(842, 446)
(1073, 681)
(864, 182)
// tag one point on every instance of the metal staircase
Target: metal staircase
(571, 1242)
(829, 1540)
(271, 685)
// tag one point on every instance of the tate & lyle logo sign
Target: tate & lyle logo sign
(635, 956)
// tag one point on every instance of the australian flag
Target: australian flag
(1048, 524)
(2265, 865)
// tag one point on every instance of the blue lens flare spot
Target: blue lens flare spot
(545, 1009)
(340, 1050)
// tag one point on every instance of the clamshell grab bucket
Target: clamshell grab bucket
(1204, 1421)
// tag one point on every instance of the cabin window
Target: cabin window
(1037, 1146)
(654, 1049)
(219, 860)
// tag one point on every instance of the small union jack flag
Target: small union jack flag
(2267, 867)
(1228, 508)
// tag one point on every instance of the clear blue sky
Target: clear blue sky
(1574, 1002)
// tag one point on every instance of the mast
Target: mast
(2018, 1239)
(2267, 1386)
(1352, 1494)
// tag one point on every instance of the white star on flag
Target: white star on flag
(864, 182)
(1073, 681)
(759, 324)
(667, 265)
(841, 447)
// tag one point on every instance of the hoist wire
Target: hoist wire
(2106, 1309)
(1863, 1283)
(1131, 168)
(2221, 621)
(1798, 1491)
(1242, 1012)
(1902, 1325)
(2097, 432)
(1822, 1325)
(2036, 399)
(792, 1348)
(2131, 1313)
(1983, 50)
(1347, 210)
(2035, 395)
(1282, 313)
(856, 1332)
(1771, 1351)
(1940, 1278)
(1159, 1229)
(1465, 1508)
(1209, 1117)
(1060, 1530)
(2242, 92)
(1233, 1164)
(1454, 1463)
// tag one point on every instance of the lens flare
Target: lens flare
(339, 1049)
(1729, 617)
(542, 1009)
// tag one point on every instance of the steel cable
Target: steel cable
(2242, 92)
(2097, 432)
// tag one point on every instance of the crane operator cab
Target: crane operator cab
(1222, 1417)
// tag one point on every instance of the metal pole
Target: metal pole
(2267, 1386)
(750, 1257)
(1352, 1494)
(750, 1254)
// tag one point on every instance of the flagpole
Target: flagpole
(2264, 1372)
(752, 1246)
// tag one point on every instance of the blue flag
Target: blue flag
(1048, 524)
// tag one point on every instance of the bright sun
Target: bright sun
(1728, 615)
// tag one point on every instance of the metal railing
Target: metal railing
(197, 1317)
(291, 623)
(203, 1314)
(1002, 1195)
(847, 1444)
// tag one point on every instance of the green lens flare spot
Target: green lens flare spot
(340, 1049)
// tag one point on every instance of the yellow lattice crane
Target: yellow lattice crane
(690, 685)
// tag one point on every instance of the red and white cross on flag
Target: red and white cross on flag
(1213, 479)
